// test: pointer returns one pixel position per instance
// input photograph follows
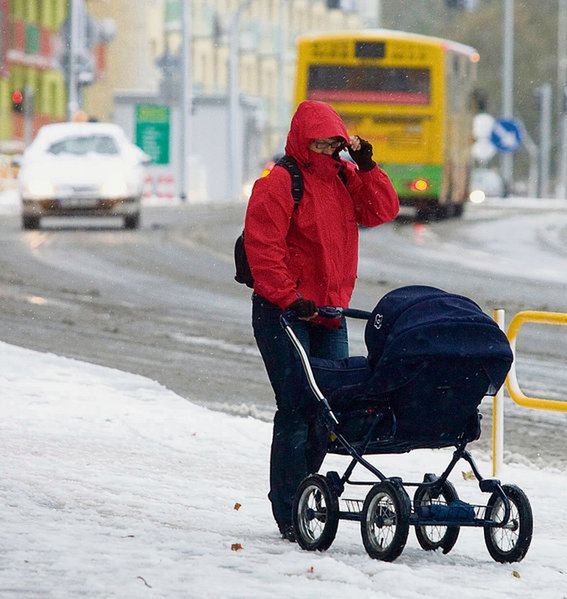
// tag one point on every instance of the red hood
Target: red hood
(312, 120)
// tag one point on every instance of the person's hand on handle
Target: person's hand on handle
(305, 309)
(360, 151)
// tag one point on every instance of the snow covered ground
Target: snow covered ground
(113, 486)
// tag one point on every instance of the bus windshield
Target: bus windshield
(379, 85)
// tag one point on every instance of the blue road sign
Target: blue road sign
(506, 135)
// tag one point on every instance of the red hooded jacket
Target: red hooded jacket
(312, 251)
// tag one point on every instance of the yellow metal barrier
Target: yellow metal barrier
(511, 381)
(512, 384)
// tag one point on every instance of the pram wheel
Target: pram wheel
(385, 521)
(315, 513)
(511, 542)
(436, 537)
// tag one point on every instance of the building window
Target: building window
(173, 13)
(32, 38)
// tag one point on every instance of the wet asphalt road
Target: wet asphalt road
(161, 301)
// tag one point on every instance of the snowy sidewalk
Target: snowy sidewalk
(113, 486)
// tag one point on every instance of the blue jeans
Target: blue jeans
(295, 452)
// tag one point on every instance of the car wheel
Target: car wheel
(30, 222)
(132, 221)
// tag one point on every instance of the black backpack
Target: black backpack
(243, 274)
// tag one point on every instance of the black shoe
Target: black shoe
(288, 534)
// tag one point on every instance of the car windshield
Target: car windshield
(85, 144)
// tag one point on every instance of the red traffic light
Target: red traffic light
(17, 100)
(17, 96)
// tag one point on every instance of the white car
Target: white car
(82, 169)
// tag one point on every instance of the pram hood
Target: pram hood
(432, 357)
(417, 324)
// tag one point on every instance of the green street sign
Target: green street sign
(152, 131)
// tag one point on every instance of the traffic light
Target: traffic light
(17, 100)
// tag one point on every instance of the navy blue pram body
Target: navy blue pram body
(432, 357)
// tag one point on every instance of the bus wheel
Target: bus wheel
(424, 214)
(443, 212)
(458, 210)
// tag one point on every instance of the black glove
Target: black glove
(363, 157)
(304, 308)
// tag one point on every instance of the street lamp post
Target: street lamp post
(561, 188)
(544, 97)
(234, 138)
(282, 64)
(507, 164)
(76, 10)
(186, 104)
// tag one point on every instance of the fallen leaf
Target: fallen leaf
(237, 506)
(469, 475)
(516, 574)
(236, 547)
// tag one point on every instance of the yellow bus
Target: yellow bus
(410, 96)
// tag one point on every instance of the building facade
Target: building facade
(149, 34)
(131, 56)
(268, 33)
(34, 53)
(28, 58)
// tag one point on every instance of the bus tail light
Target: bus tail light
(419, 185)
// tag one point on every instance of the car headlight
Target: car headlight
(477, 196)
(39, 187)
(114, 188)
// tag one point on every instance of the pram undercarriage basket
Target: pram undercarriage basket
(432, 357)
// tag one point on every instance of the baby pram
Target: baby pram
(432, 357)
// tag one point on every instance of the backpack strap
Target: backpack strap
(291, 166)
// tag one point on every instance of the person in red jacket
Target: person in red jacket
(303, 257)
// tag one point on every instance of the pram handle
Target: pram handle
(285, 322)
(331, 312)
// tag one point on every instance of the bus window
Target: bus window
(380, 85)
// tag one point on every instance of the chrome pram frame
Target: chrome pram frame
(387, 512)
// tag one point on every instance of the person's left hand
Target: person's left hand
(354, 142)
(361, 152)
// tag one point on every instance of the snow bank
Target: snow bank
(113, 486)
